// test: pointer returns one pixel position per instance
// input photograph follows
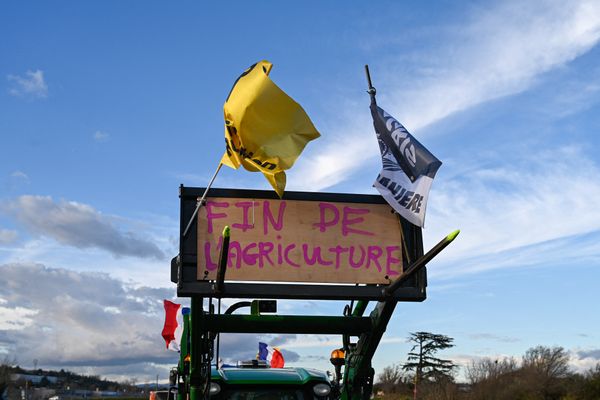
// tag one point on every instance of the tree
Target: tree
(591, 388)
(493, 379)
(390, 378)
(544, 368)
(422, 360)
(486, 369)
(4, 378)
(550, 362)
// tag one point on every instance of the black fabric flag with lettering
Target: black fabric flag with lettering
(408, 167)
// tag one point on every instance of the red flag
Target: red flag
(277, 360)
(173, 328)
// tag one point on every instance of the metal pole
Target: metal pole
(218, 334)
(420, 263)
(222, 262)
(202, 199)
(372, 91)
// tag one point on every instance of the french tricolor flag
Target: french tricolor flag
(173, 329)
(272, 355)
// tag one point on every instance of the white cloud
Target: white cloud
(335, 157)
(30, 85)
(15, 318)
(575, 97)
(517, 216)
(329, 341)
(100, 136)
(584, 360)
(86, 319)
(93, 323)
(78, 225)
(493, 337)
(20, 175)
(502, 51)
(8, 236)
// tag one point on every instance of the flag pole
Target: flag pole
(201, 201)
(372, 91)
(218, 288)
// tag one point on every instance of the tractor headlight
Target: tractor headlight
(321, 389)
(214, 389)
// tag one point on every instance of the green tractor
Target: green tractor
(305, 246)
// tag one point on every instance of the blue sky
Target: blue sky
(106, 107)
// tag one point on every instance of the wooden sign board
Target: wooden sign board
(300, 241)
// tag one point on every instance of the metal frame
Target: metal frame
(325, 325)
(184, 266)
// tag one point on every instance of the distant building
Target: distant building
(35, 379)
(41, 393)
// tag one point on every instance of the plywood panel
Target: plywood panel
(300, 241)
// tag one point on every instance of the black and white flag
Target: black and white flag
(408, 167)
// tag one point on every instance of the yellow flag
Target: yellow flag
(265, 129)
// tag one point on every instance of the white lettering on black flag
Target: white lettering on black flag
(408, 168)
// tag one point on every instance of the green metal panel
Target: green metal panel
(196, 387)
(184, 352)
(360, 308)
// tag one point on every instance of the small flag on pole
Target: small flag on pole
(272, 355)
(408, 167)
(173, 328)
(265, 129)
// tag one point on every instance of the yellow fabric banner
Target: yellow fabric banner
(265, 129)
